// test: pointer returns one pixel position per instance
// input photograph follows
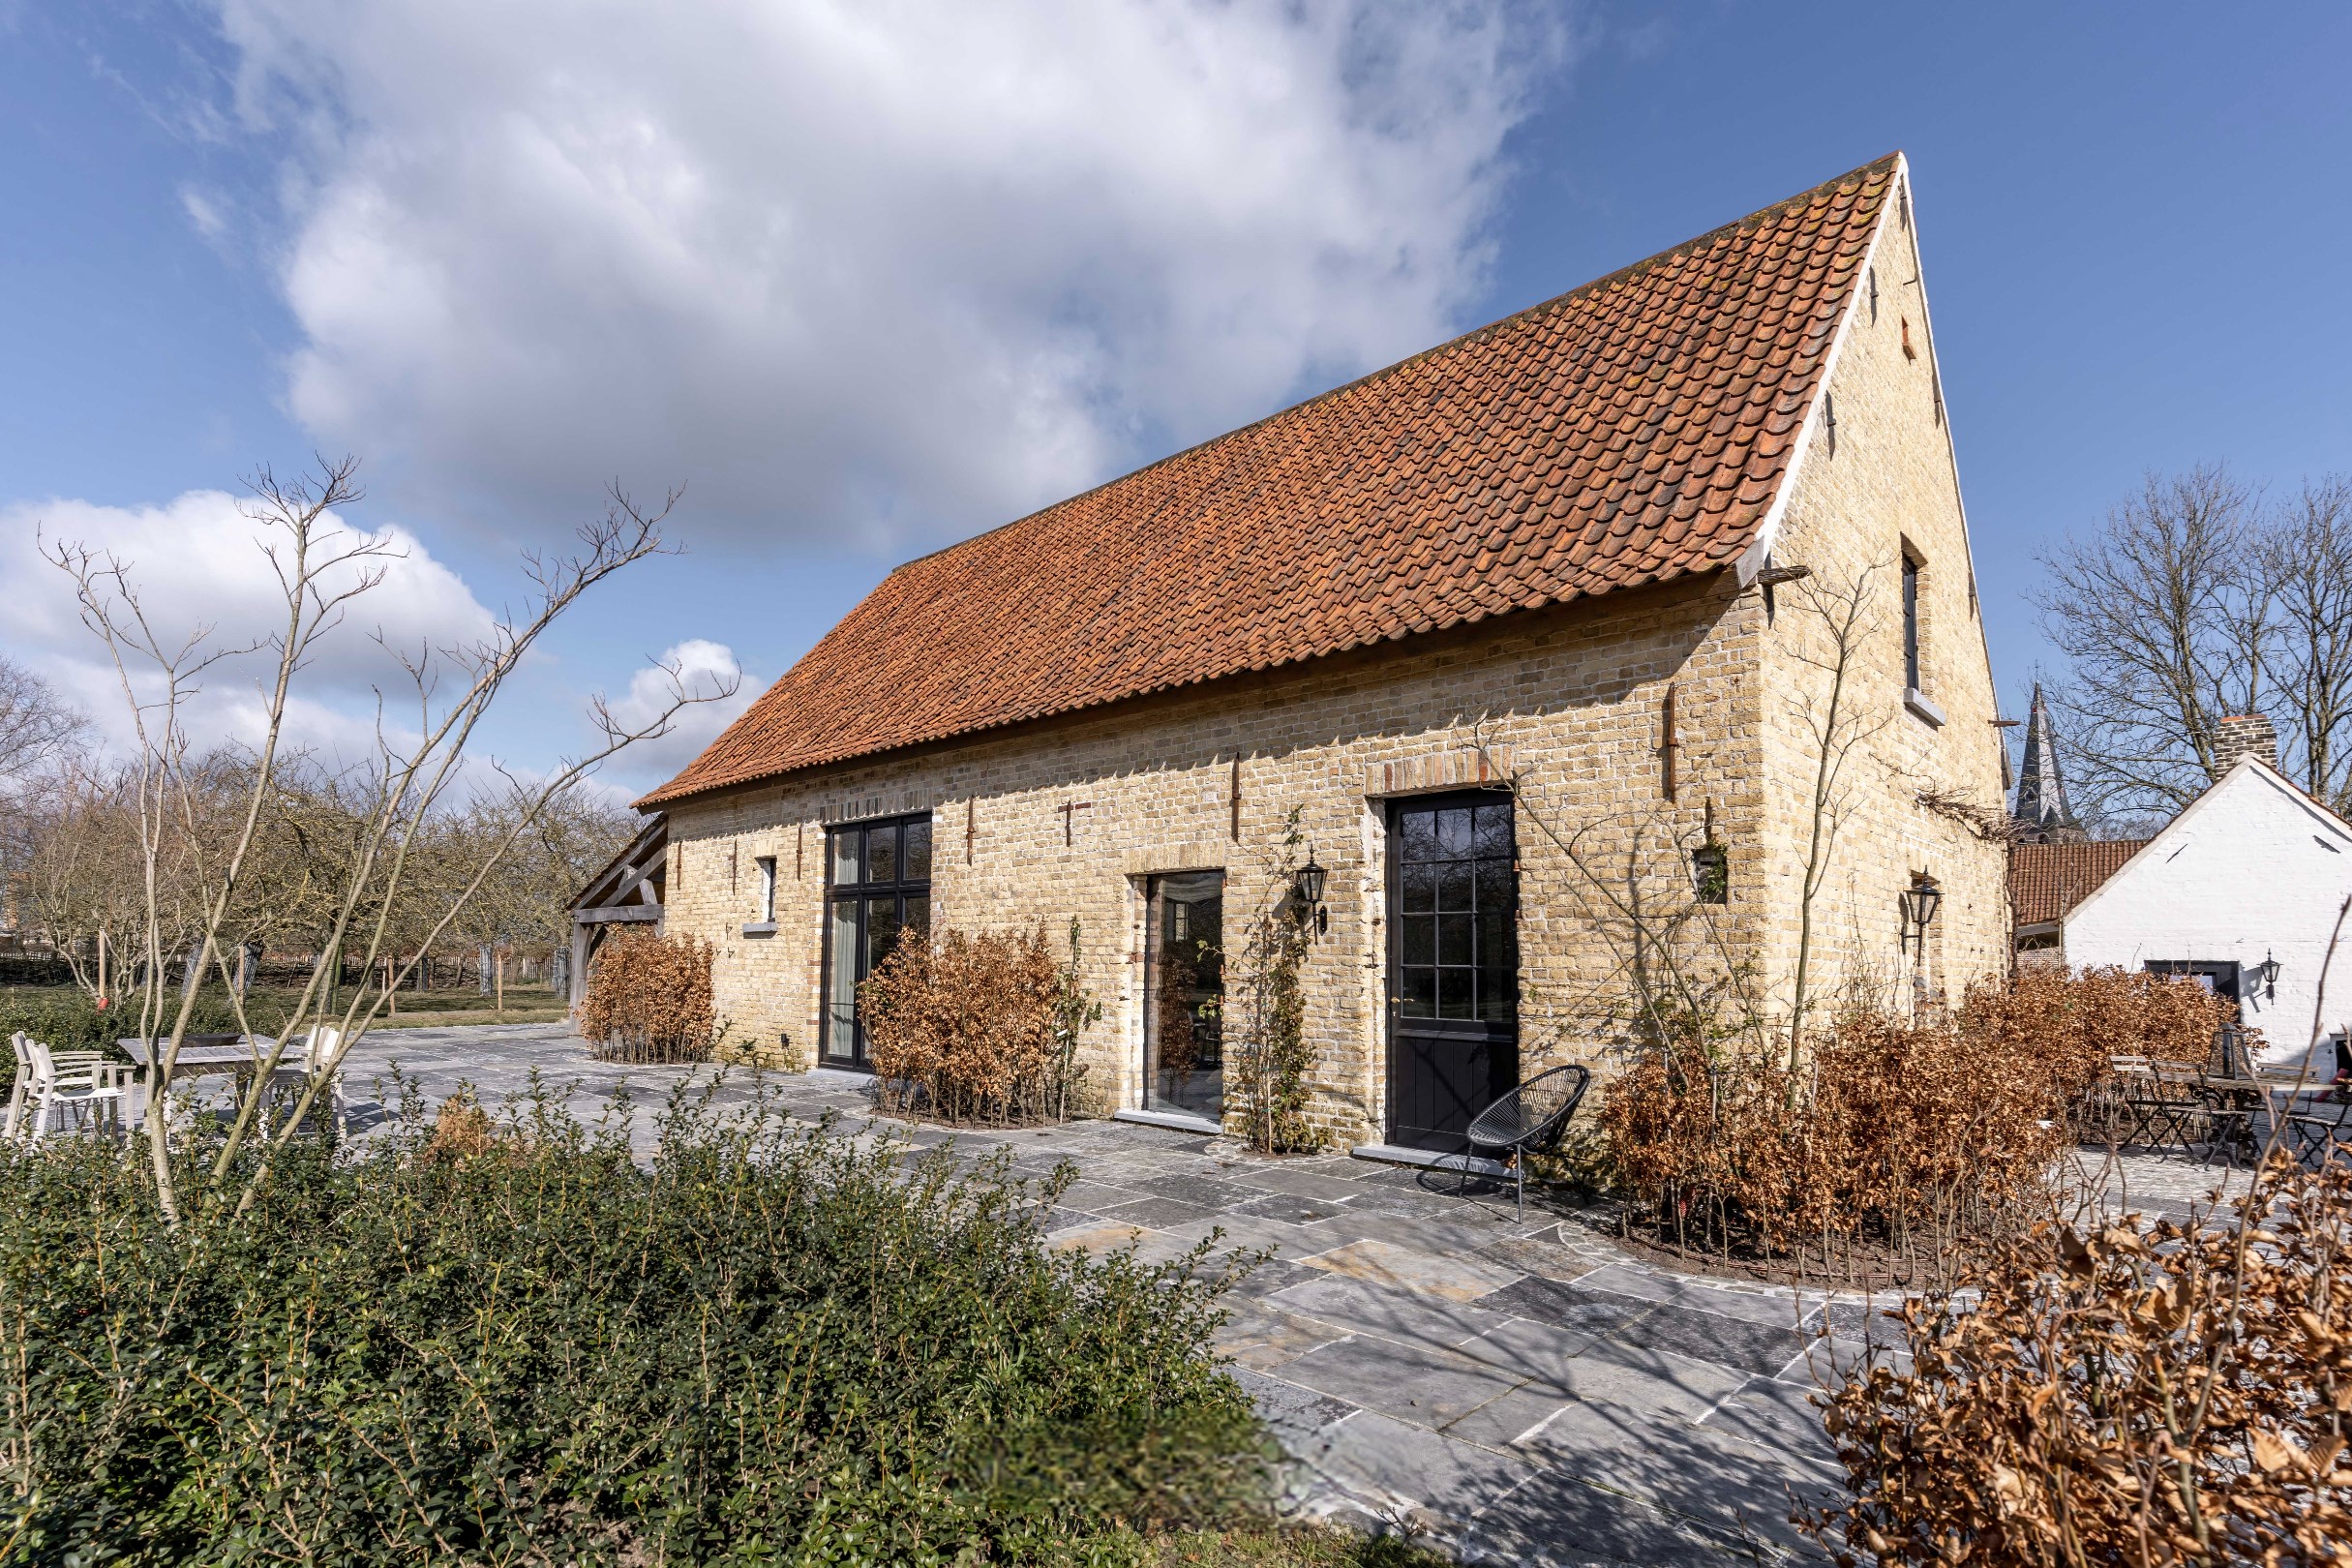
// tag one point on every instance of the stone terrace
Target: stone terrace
(1507, 1390)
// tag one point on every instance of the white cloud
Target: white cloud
(708, 672)
(197, 566)
(861, 268)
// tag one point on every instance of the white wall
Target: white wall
(2251, 868)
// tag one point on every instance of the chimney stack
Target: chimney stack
(2243, 735)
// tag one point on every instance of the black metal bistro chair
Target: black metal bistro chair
(1531, 1119)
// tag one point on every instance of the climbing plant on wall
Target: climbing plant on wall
(1270, 1057)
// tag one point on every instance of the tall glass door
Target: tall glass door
(1184, 981)
(878, 893)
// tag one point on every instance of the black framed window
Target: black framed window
(877, 895)
(1911, 625)
(1456, 888)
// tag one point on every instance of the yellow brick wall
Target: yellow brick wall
(1566, 700)
(1887, 483)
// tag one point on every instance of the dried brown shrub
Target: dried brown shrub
(2151, 1393)
(462, 1129)
(972, 1028)
(1891, 1134)
(648, 1000)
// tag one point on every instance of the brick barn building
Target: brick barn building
(1533, 636)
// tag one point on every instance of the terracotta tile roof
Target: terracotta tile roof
(1631, 432)
(2048, 880)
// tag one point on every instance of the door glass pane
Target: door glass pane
(1418, 887)
(919, 916)
(847, 855)
(1454, 939)
(1184, 986)
(1455, 997)
(1419, 933)
(1420, 998)
(882, 853)
(841, 1005)
(914, 853)
(1454, 885)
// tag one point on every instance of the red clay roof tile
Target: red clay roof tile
(2046, 881)
(1633, 430)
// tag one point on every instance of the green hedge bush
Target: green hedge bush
(64, 1018)
(518, 1344)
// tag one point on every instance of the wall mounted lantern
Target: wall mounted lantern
(1308, 883)
(2268, 969)
(1920, 901)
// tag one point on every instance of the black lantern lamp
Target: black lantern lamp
(2268, 970)
(1920, 901)
(1307, 882)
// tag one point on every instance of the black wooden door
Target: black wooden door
(1453, 1005)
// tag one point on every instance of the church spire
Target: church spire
(2041, 811)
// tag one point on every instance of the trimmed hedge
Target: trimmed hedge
(67, 1020)
(512, 1342)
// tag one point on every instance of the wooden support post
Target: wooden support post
(499, 967)
(1668, 745)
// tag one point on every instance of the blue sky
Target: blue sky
(868, 279)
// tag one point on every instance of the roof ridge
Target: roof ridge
(1633, 430)
(1632, 270)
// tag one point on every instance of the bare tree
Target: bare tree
(2306, 559)
(2163, 616)
(322, 569)
(37, 724)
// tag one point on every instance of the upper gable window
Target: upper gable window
(1911, 621)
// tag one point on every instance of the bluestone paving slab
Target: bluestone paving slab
(1682, 1469)
(1775, 1415)
(1205, 1191)
(1401, 1315)
(1157, 1213)
(1731, 1342)
(1286, 1207)
(1581, 1366)
(1266, 1339)
(1296, 1415)
(1567, 1306)
(1775, 1309)
(1274, 1275)
(1407, 1464)
(1554, 1518)
(1429, 1386)
(1305, 1184)
(1450, 1275)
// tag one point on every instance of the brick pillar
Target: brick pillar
(2240, 734)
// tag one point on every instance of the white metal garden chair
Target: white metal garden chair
(318, 1050)
(50, 1082)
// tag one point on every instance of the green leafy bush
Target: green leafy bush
(510, 1341)
(65, 1019)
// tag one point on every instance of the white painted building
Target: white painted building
(2253, 869)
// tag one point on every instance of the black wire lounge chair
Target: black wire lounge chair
(1531, 1119)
